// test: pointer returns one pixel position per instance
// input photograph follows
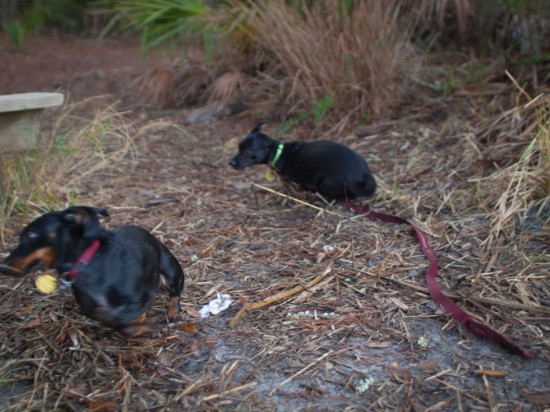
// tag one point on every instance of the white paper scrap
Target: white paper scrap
(215, 306)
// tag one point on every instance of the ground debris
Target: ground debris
(365, 336)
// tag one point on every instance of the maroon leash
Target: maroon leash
(84, 259)
(479, 329)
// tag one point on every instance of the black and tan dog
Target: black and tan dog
(331, 169)
(116, 274)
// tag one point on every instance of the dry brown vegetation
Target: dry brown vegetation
(362, 58)
(358, 56)
(468, 161)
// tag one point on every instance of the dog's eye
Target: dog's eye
(29, 236)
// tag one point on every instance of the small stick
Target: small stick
(320, 209)
(277, 297)
(438, 374)
(230, 391)
(490, 394)
(299, 372)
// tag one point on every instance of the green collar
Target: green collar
(277, 155)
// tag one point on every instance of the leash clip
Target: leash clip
(63, 285)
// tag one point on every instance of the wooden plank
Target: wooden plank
(29, 101)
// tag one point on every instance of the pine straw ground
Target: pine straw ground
(365, 317)
(321, 348)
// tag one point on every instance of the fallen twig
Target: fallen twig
(299, 372)
(277, 297)
(230, 391)
(320, 209)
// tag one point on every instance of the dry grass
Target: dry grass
(226, 86)
(490, 26)
(359, 56)
(456, 16)
(156, 86)
(519, 140)
(71, 149)
(363, 55)
(174, 85)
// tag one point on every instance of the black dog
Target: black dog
(331, 169)
(115, 274)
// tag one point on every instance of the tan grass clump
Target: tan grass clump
(362, 55)
(73, 149)
(521, 188)
(174, 85)
(226, 86)
(156, 85)
(190, 83)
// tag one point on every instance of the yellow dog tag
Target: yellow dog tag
(46, 284)
(269, 175)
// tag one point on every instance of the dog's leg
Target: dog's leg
(174, 308)
(140, 318)
(172, 278)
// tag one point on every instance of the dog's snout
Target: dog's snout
(234, 163)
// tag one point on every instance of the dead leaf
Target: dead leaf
(428, 364)
(399, 303)
(489, 372)
(539, 398)
(103, 406)
(439, 406)
(32, 323)
(194, 313)
(397, 371)
(188, 327)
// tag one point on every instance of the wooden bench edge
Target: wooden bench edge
(29, 101)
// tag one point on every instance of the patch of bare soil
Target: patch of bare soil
(75, 66)
(367, 337)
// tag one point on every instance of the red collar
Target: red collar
(84, 259)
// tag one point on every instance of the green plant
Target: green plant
(159, 21)
(318, 111)
(320, 107)
(21, 17)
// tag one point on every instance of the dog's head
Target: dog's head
(51, 236)
(254, 149)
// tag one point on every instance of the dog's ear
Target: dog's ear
(87, 218)
(257, 128)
